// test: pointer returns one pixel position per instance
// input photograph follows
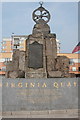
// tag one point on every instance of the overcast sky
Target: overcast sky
(17, 18)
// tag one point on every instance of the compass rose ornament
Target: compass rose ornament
(41, 15)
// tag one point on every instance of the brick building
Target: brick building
(74, 62)
(6, 54)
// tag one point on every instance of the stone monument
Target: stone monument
(40, 59)
(49, 95)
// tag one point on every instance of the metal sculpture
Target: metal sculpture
(41, 15)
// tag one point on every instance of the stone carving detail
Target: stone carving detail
(35, 59)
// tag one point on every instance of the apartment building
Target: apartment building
(74, 62)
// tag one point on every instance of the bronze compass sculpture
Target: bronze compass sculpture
(41, 15)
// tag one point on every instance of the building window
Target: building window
(78, 68)
(7, 59)
(71, 62)
(16, 41)
(14, 47)
(22, 38)
(4, 42)
(21, 47)
(11, 51)
(3, 51)
(73, 68)
(3, 47)
(3, 69)
(21, 41)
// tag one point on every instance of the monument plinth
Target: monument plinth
(40, 59)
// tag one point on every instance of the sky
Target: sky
(17, 19)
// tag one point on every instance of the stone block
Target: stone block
(22, 60)
(16, 74)
(50, 63)
(13, 74)
(51, 47)
(21, 74)
(62, 63)
(9, 66)
(35, 75)
(14, 65)
(38, 29)
(16, 54)
(55, 74)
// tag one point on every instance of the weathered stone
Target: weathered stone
(16, 54)
(9, 66)
(40, 59)
(38, 29)
(50, 63)
(16, 74)
(22, 61)
(51, 47)
(15, 65)
(12, 66)
(62, 64)
(16, 68)
(36, 75)
(54, 74)
(13, 74)
(21, 74)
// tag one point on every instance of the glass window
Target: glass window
(7, 59)
(4, 42)
(71, 62)
(21, 47)
(3, 47)
(73, 68)
(21, 41)
(16, 41)
(3, 51)
(3, 69)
